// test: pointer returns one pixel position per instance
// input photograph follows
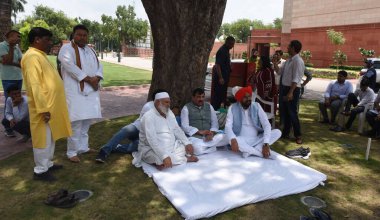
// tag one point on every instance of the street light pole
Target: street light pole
(249, 42)
(120, 47)
(101, 49)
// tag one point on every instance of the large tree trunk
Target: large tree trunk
(5, 17)
(183, 34)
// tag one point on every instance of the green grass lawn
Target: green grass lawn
(122, 191)
(118, 75)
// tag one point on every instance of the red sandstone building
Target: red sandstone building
(308, 21)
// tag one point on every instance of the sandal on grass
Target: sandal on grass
(61, 199)
(298, 140)
(319, 214)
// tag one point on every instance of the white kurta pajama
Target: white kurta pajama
(201, 146)
(82, 105)
(160, 138)
(249, 140)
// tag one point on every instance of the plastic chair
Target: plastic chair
(271, 114)
(361, 117)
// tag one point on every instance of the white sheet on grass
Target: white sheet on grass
(224, 180)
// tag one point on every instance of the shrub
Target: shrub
(331, 73)
(339, 57)
(367, 53)
(306, 55)
(309, 64)
(355, 68)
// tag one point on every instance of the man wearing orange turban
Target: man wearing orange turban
(247, 127)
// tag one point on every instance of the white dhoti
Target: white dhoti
(205, 147)
(78, 142)
(43, 156)
(254, 146)
(177, 155)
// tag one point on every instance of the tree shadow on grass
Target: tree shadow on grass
(122, 191)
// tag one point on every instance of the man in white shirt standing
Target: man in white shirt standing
(199, 122)
(81, 74)
(247, 128)
(162, 142)
(290, 87)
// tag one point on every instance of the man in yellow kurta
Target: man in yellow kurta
(49, 119)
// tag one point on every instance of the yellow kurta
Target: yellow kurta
(45, 93)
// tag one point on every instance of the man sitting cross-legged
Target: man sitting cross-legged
(130, 132)
(162, 142)
(336, 92)
(247, 126)
(199, 121)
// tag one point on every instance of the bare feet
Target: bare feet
(159, 167)
(74, 159)
(192, 158)
(90, 151)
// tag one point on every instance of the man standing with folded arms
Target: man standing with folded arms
(81, 72)
(49, 119)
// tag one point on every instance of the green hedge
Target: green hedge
(331, 73)
(358, 68)
(309, 65)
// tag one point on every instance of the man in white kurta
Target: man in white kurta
(162, 142)
(200, 124)
(81, 73)
(247, 126)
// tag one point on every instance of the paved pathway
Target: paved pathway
(116, 102)
(127, 100)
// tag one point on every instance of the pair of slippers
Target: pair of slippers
(63, 199)
(317, 214)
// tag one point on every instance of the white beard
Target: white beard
(163, 108)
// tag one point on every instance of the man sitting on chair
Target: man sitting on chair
(247, 127)
(373, 118)
(359, 99)
(199, 122)
(336, 92)
(162, 142)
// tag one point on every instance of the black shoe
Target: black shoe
(9, 133)
(319, 214)
(301, 152)
(55, 167)
(101, 158)
(44, 177)
(371, 133)
(325, 121)
(337, 129)
(376, 136)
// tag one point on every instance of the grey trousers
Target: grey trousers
(334, 109)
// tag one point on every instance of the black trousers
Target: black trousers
(352, 100)
(219, 92)
(289, 111)
(375, 124)
(22, 127)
